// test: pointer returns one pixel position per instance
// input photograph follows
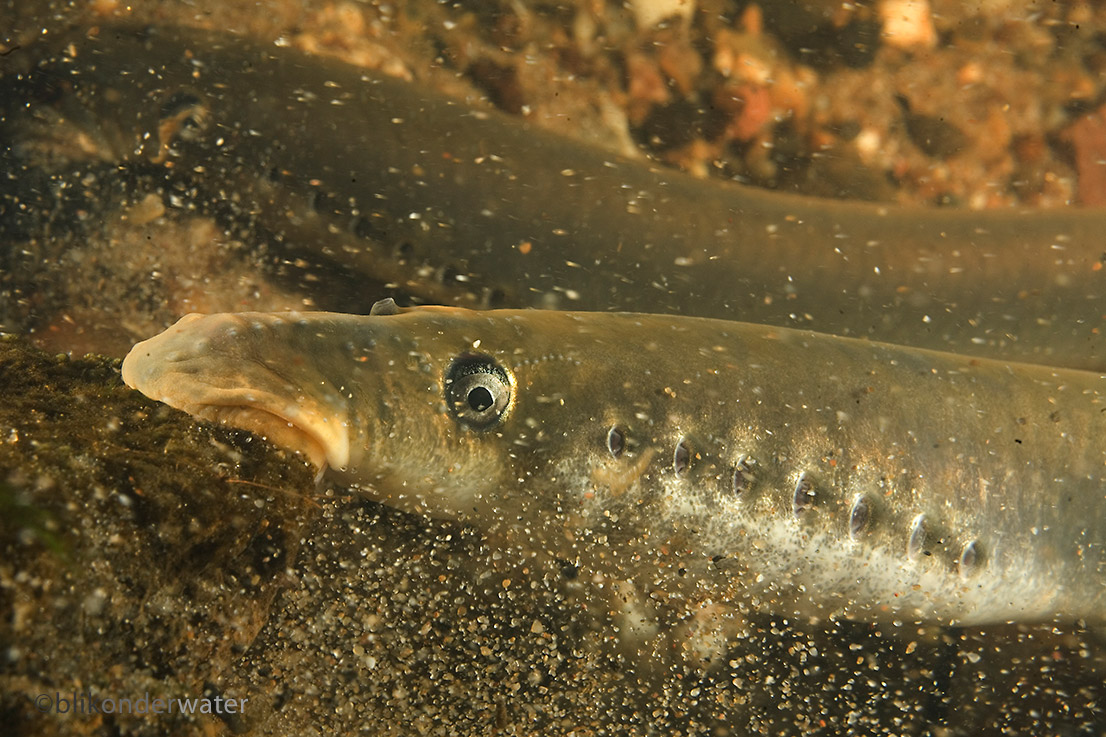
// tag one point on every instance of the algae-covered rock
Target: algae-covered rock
(139, 552)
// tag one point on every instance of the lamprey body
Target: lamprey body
(452, 204)
(718, 461)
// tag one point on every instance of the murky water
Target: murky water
(380, 622)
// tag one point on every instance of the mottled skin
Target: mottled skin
(1003, 462)
(465, 206)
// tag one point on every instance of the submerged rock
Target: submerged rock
(139, 553)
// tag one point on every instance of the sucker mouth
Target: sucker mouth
(316, 426)
(323, 441)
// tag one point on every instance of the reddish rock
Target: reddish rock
(1088, 138)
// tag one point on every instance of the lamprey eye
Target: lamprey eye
(478, 391)
(184, 115)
